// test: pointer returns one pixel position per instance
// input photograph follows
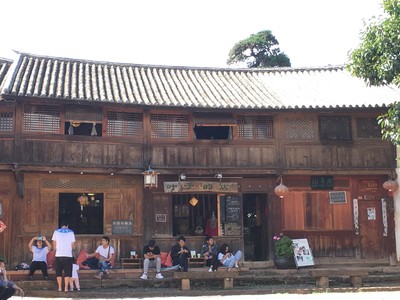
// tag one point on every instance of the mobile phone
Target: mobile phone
(40, 238)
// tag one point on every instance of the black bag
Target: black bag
(91, 262)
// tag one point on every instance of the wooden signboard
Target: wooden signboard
(122, 227)
(302, 253)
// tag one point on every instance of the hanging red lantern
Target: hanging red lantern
(281, 190)
(391, 185)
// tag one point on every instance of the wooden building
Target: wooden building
(76, 137)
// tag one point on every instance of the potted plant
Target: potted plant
(284, 258)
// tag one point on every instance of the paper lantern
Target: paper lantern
(391, 185)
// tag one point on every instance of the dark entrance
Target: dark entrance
(255, 226)
(83, 212)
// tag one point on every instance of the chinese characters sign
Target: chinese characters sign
(200, 186)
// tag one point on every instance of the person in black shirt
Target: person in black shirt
(151, 255)
(180, 254)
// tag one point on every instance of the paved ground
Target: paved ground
(298, 292)
(361, 295)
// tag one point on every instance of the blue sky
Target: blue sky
(182, 32)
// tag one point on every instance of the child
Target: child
(74, 278)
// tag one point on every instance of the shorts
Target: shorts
(64, 263)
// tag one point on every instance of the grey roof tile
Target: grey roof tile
(163, 86)
(4, 67)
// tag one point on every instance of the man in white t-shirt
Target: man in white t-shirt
(105, 254)
(63, 244)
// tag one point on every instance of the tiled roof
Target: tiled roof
(163, 86)
(4, 67)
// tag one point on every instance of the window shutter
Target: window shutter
(169, 126)
(41, 118)
(6, 121)
(124, 124)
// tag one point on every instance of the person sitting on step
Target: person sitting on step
(152, 259)
(39, 246)
(105, 254)
(227, 259)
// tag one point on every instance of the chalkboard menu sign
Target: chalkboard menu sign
(232, 209)
(230, 213)
(122, 227)
(322, 182)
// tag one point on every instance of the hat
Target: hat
(152, 243)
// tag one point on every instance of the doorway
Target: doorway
(255, 227)
(371, 229)
(83, 212)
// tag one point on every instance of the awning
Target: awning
(210, 119)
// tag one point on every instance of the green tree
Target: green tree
(377, 61)
(260, 50)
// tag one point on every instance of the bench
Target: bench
(195, 262)
(322, 276)
(227, 276)
(131, 262)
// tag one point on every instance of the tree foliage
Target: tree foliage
(260, 50)
(377, 61)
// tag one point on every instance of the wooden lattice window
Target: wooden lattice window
(41, 118)
(124, 124)
(6, 121)
(299, 128)
(335, 127)
(255, 127)
(169, 126)
(368, 128)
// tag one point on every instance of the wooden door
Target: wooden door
(371, 228)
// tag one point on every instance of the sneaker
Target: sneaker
(71, 289)
(236, 266)
(144, 276)
(210, 270)
(99, 275)
(159, 276)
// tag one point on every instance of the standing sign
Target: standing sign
(302, 253)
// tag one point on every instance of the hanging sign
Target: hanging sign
(322, 182)
(2, 226)
(200, 186)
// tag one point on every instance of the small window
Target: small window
(83, 121)
(368, 128)
(299, 128)
(41, 118)
(124, 124)
(337, 197)
(169, 126)
(255, 128)
(335, 128)
(212, 126)
(84, 212)
(6, 122)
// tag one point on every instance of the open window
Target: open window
(211, 126)
(83, 212)
(83, 121)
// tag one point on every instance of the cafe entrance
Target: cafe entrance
(255, 227)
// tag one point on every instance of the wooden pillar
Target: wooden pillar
(228, 283)
(185, 284)
(396, 200)
(322, 282)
